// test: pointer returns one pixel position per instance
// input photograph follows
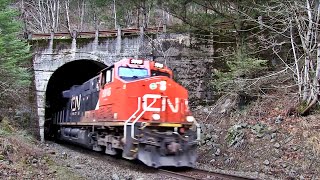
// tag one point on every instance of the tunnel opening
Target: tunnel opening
(72, 73)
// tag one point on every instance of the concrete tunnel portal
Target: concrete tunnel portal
(72, 73)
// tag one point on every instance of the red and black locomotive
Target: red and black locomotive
(133, 107)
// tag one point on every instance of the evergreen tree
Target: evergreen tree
(14, 55)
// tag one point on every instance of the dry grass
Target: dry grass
(22, 157)
(305, 124)
(6, 127)
(314, 143)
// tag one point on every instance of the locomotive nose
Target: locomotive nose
(165, 101)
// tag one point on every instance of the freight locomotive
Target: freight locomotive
(133, 108)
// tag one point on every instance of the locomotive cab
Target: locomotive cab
(161, 99)
(106, 76)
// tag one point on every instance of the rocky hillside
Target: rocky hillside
(264, 139)
(22, 157)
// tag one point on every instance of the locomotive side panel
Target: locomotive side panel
(81, 98)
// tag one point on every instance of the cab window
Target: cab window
(109, 76)
(106, 77)
(159, 73)
(127, 73)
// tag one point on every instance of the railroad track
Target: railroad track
(178, 173)
(199, 174)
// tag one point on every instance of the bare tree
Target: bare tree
(42, 15)
(67, 9)
(115, 14)
(306, 17)
(81, 13)
(297, 23)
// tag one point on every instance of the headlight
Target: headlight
(158, 65)
(155, 116)
(190, 118)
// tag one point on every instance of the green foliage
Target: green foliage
(239, 67)
(15, 53)
(10, 128)
(302, 106)
(5, 127)
(205, 20)
(235, 135)
(259, 129)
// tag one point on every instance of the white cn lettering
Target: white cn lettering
(164, 101)
(145, 102)
(163, 85)
(187, 105)
(176, 108)
(75, 103)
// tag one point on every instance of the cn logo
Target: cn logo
(164, 102)
(75, 103)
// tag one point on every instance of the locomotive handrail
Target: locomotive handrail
(127, 121)
(137, 118)
(198, 130)
(175, 131)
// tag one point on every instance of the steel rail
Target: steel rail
(203, 173)
(233, 176)
(177, 175)
(101, 33)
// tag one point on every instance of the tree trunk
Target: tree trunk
(115, 14)
(82, 14)
(297, 68)
(57, 15)
(67, 3)
(40, 15)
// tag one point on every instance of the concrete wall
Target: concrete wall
(192, 61)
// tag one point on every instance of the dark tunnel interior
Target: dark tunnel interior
(72, 73)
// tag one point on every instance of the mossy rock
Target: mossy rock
(2, 157)
(301, 107)
(5, 127)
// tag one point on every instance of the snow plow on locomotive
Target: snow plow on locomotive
(133, 107)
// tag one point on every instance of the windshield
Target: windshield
(159, 73)
(128, 73)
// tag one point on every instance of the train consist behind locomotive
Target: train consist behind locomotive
(133, 107)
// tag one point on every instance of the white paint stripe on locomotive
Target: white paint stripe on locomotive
(97, 106)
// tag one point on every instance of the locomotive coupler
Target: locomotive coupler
(174, 147)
